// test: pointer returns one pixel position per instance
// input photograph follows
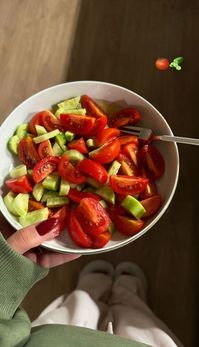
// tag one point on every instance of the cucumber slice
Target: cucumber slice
(20, 204)
(56, 149)
(30, 171)
(115, 166)
(51, 182)
(45, 137)
(57, 202)
(133, 206)
(103, 204)
(106, 193)
(22, 131)
(38, 191)
(81, 111)
(8, 201)
(74, 156)
(49, 194)
(92, 182)
(40, 130)
(18, 171)
(112, 228)
(80, 186)
(70, 103)
(90, 190)
(69, 136)
(61, 140)
(64, 188)
(13, 144)
(90, 143)
(34, 216)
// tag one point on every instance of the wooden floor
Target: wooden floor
(47, 42)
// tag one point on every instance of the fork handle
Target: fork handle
(179, 139)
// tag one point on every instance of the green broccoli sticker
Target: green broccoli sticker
(176, 63)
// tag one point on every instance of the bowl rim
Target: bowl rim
(151, 224)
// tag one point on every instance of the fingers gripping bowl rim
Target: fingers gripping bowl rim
(112, 94)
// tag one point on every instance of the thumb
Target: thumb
(32, 236)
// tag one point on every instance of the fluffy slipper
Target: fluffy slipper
(98, 266)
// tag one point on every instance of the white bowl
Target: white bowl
(103, 91)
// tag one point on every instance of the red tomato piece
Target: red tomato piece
(91, 107)
(76, 196)
(69, 172)
(125, 116)
(128, 168)
(34, 205)
(79, 125)
(151, 205)
(62, 215)
(92, 216)
(126, 225)
(93, 169)
(153, 160)
(128, 185)
(45, 149)
(101, 240)
(49, 121)
(106, 135)
(99, 125)
(44, 167)
(107, 153)
(27, 152)
(36, 120)
(162, 63)
(131, 151)
(19, 185)
(126, 139)
(77, 233)
(79, 145)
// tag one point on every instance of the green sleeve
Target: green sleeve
(17, 276)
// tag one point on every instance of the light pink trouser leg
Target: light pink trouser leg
(133, 319)
(81, 307)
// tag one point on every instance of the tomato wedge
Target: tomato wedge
(131, 151)
(92, 216)
(151, 205)
(79, 125)
(101, 240)
(36, 120)
(106, 135)
(93, 169)
(45, 149)
(128, 185)
(79, 145)
(76, 196)
(125, 116)
(34, 205)
(77, 233)
(126, 139)
(91, 107)
(19, 185)
(44, 167)
(126, 225)
(69, 172)
(62, 215)
(107, 153)
(153, 160)
(99, 125)
(128, 167)
(27, 152)
(49, 121)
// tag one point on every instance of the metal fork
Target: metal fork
(146, 134)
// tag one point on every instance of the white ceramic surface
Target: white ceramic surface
(103, 91)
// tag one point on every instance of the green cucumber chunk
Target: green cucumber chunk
(22, 131)
(81, 111)
(40, 130)
(92, 182)
(18, 171)
(51, 182)
(112, 227)
(90, 143)
(13, 144)
(80, 186)
(133, 206)
(49, 194)
(45, 137)
(38, 191)
(56, 149)
(20, 204)
(103, 204)
(106, 193)
(30, 171)
(64, 188)
(115, 166)
(74, 156)
(69, 136)
(8, 201)
(61, 140)
(34, 216)
(70, 103)
(57, 201)
(89, 190)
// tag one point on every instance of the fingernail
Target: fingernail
(48, 226)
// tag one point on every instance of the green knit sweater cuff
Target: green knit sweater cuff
(17, 276)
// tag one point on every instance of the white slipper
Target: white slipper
(130, 268)
(98, 266)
